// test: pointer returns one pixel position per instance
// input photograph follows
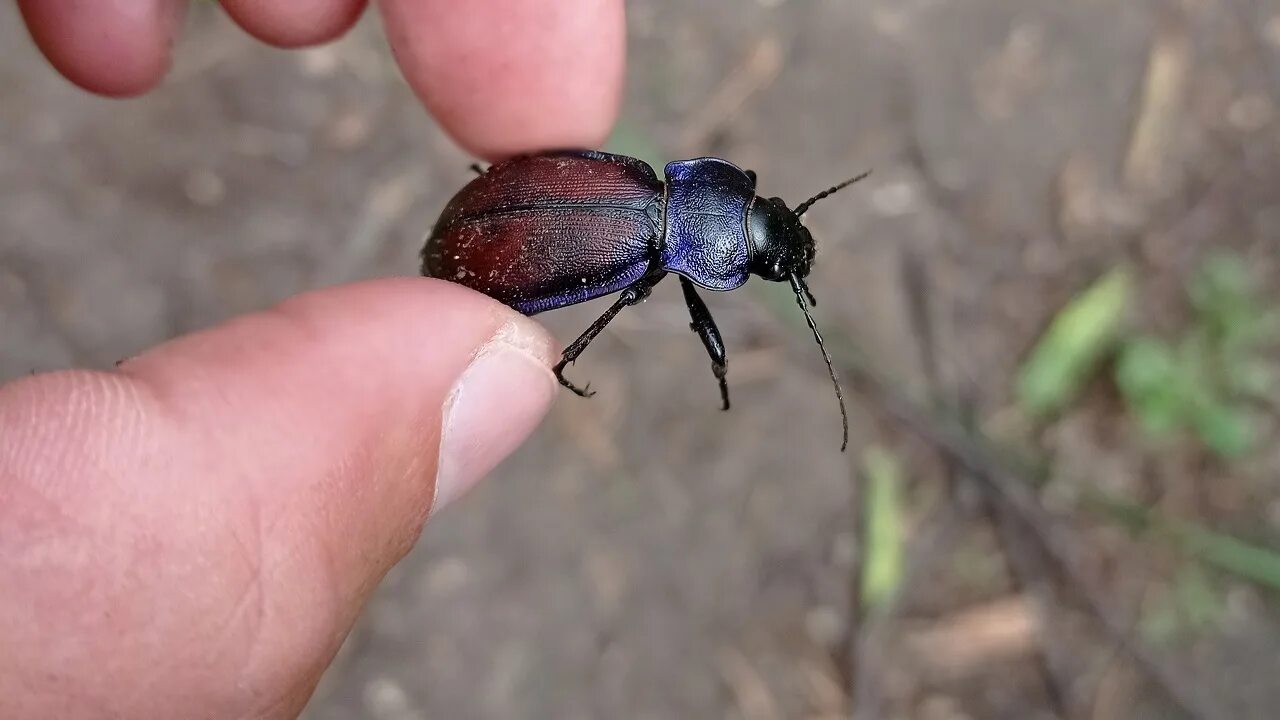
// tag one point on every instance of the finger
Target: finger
(198, 529)
(295, 23)
(112, 47)
(509, 76)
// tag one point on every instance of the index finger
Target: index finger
(510, 76)
(115, 48)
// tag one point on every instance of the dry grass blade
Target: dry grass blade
(750, 692)
(756, 72)
(1159, 110)
(973, 638)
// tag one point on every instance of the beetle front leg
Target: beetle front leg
(705, 326)
(633, 295)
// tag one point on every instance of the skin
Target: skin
(192, 534)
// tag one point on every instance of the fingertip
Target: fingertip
(295, 23)
(117, 49)
(511, 76)
(369, 370)
(282, 462)
(492, 407)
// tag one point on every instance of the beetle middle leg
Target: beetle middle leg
(633, 295)
(705, 326)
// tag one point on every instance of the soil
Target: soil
(644, 555)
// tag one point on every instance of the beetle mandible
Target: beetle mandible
(548, 230)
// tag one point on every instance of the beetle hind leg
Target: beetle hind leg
(633, 295)
(703, 324)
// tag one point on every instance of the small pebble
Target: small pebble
(204, 187)
(1251, 112)
(386, 700)
(824, 626)
(895, 199)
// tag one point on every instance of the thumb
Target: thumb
(193, 534)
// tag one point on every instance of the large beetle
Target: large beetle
(540, 232)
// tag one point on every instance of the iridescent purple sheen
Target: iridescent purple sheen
(706, 231)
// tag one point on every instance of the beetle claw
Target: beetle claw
(584, 391)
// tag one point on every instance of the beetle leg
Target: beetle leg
(705, 326)
(633, 295)
(475, 168)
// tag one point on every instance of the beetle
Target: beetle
(548, 230)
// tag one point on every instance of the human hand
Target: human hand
(501, 76)
(193, 533)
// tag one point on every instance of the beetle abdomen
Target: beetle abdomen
(546, 231)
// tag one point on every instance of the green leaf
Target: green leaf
(1269, 326)
(1197, 597)
(1222, 286)
(1226, 429)
(882, 567)
(1259, 564)
(1225, 299)
(1145, 365)
(1253, 378)
(1148, 375)
(1252, 562)
(1160, 624)
(1070, 350)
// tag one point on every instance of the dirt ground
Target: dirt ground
(646, 556)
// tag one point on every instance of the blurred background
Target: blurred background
(1054, 303)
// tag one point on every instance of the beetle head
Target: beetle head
(783, 246)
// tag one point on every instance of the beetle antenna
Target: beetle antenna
(802, 207)
(797, 285)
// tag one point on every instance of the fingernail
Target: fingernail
(494, 405)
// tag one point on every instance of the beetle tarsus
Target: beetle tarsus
(585, 391)
(633, 295)
(720, 372)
